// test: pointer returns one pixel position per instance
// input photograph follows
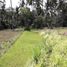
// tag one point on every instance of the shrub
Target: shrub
(38, 22)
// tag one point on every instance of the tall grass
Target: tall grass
(55, 50)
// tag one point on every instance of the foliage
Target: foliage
(38, 22)
(54, 13)
(54, 52)
(26, 17)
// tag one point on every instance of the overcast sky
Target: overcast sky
(14, 3)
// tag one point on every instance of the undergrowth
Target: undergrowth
(54, 51)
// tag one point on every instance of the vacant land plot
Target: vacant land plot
(43, 48)
(6, 35)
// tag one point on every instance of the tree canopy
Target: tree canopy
(51, 13)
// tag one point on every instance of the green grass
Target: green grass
(22, 50)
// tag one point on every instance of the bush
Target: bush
(38, 22)
(27, 17)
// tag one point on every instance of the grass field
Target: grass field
(22, 51)
(42, 48)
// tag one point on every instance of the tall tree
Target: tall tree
(51, 12)
(38, 4)
(22, 3)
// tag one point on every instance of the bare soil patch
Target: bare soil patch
(6, 35)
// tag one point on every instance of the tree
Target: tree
(3, 12)
(26, 17)
(51, 12)
(38, 4)
(63, 10)
(22, 3)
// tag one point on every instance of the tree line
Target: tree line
(52, 14)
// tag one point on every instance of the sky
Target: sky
(14, 3)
